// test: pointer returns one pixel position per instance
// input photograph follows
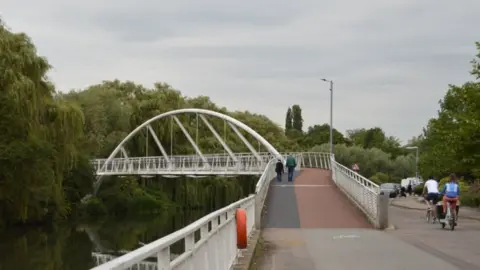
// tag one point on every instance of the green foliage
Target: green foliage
(320, 134)
(297, 119)
(476, 63)
(470, 199)
(451, 141)
(288, 120)
(418, 189)
(376, 138)
(380, 178)
(374, 164)
(40, 139)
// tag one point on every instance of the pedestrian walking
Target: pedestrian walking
(279, 170)
(291, 164)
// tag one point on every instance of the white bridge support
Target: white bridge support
(200, 165)
(216, 248)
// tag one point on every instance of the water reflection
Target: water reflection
(83, 246)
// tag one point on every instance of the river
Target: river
(82, 245)
(73, 246)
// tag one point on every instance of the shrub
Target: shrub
(418, 189)
(145, 205)
(95, 207)
(469, 199)
(372, 161)
(380, 178)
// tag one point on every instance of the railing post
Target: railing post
(382, 210)
(163, 259)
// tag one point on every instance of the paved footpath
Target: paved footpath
(311, 225)
(416, 203)
(459, 248)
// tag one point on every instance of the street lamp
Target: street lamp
(331, 114)
(416, 158)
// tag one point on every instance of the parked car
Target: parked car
(391, 188)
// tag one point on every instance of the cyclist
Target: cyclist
(451, 191)
(430, 193)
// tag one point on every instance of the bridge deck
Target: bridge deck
(311, 201)
(311, 225)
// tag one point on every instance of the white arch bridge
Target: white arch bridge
(200, 164)
(216, 248)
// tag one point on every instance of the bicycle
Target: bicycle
(429, 215)
(449, 218)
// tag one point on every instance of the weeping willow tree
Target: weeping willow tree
(38, 134)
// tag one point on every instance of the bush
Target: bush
(418, 189)
(380, 178)
(469, 199)
(372, 160)
(146, 205)
(95, 207)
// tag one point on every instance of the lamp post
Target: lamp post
(331, 114)
(416, 158)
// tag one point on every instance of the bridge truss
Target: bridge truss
(200, 164)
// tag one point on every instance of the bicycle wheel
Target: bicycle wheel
(452, 220)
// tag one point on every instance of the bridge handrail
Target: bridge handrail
(161, 247)
(193, 156)
(360, 190)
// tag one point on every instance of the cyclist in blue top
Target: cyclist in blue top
(451, 191)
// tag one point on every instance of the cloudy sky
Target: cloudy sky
(391, 60)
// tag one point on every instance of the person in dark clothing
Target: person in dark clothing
(409, 188)
(279, 170)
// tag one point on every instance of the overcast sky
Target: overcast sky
(391, 60)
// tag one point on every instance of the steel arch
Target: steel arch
(222, 116)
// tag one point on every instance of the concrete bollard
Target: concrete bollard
(382, 210)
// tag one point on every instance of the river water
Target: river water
(76, 246)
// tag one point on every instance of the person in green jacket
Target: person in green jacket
(290, 164)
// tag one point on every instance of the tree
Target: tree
(372, 161)
(297, 119)
(476, 63)
(374, 137)
(41, 135)
(452, 139)
(288, 120)
(320, 134)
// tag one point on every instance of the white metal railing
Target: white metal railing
(101, 258)
(218, 164)
(216, 248)
(261, 190)
(314, 160)
(359, 189)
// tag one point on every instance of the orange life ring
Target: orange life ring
(241, 218)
